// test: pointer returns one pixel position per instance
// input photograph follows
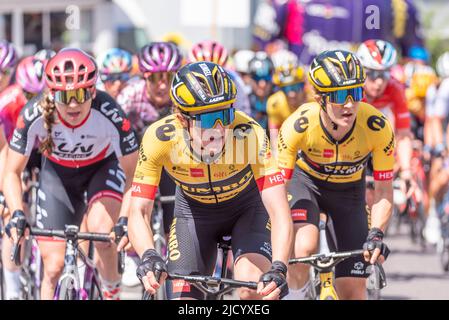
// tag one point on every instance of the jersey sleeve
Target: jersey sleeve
(123, 137)
(383, 150)
(27, 127)
(401, 112)
(289, 141)
(125, 98)
(273, 112)
(265, 169)
(149, 166)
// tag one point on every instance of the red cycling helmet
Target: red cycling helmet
(71, 69)
(211, 51)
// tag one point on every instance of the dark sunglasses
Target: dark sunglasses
(29, 95)
(378, 74)
(297, 87)
(341, 96)
(156, 77)
(80, 95)
(114, 77)
(257, 78)
(209, 120)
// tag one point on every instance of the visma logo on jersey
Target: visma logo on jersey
(244, 150)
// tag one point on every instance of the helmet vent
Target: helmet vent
(218, 82)
(68, 66)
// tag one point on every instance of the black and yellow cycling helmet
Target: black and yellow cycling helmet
(288, 74)
(335, 70)
(200, 86)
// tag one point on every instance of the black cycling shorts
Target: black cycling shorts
(65, 193)
(197, 228)
(167, 187)
(344, 205)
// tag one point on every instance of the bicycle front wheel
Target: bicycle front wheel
(67, 290)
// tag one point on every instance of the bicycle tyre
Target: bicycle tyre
(2, 289)
(67, 290)
(373, 294)
(95, 291)
(444, 257)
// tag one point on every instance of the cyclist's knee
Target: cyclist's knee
(351, 288)
(53, 269)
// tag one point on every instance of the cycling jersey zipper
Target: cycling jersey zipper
(210, 183)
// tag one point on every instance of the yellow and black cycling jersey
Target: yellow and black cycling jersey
(244, 163)
(278, 109)
(304, 140)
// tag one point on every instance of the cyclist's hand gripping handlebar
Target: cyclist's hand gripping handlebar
(19, 223)
(276, 274)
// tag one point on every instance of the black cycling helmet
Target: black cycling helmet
(261, 65)
(201, 86)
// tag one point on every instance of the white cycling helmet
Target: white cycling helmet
(443, 65)
(377, 54)
(241, 60)
(284, 58)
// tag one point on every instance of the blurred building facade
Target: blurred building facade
(95, 25)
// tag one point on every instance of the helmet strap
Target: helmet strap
(324, 107)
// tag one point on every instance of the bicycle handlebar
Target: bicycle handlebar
(204, 282)
(214, 281)
(15, 251)
(326, 260)
(165, 199)
(102, 237)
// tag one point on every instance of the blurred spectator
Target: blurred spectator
(309, 27)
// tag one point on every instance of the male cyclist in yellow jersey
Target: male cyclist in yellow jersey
(288, 77)
(323, 147)
(227, 181)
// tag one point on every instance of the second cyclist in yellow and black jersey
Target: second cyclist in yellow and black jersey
(327, 159)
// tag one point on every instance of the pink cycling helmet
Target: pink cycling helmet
(159, 57)
(211, 51)
(8, 55)
(30, 74)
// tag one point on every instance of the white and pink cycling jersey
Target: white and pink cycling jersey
(134, 100)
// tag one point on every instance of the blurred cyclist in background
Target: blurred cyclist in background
(289, 79)
(261, 69)
(241, 61)
(388, 95)
(213, 51)
(114, 68)
(146, 101)
(30, 81)
(8, 60)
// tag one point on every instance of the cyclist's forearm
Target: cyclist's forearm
(3, 156)
(383, 204)
(276, 203)
(13, 191)
(404, 152)
(126, 202)
(274, 132)
(139, 230)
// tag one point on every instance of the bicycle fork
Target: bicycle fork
(327, 286)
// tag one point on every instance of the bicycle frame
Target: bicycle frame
(213, 288)
(72, 253)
